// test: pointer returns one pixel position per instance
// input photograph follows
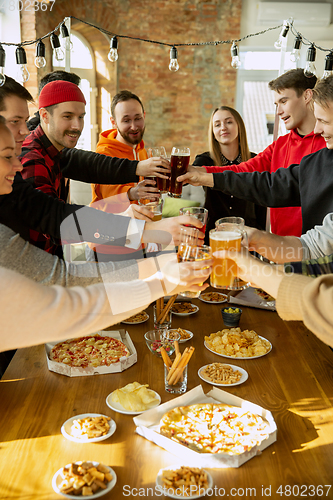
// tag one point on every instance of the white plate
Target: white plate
(244, 376)
(136, 322)
(183, 340)
(196, 309)
(240, 357)
(57, 479)
(224, 298)
(66, 429)
(159, 484)
(120, 409)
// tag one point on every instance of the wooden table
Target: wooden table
(294, 381)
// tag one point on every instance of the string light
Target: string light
(21, 60)
(113, 53)
(310, 67)
(65, 36)
(296, 52)
(40, 61)
(235, 61)
(58, 52)
(174, 65)
(2, 65)
(282, 36)
(328, 65)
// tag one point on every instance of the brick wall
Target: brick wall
(178, 105)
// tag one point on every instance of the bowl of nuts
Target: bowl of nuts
(231, 315)
(155, 339)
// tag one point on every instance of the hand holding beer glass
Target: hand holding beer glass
(199, 213)
(179, 162)
(227, 235)
(189, 251)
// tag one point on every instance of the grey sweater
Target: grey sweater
(318, 242)
(20, 256)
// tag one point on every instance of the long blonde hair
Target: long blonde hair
(214, 146)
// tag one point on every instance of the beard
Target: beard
(130, 139)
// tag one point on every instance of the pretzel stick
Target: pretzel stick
(172, 376)
(158, 308)
(179, 371)
(166, 310)
(166, 359)
(176, 344)
(174, 365)
(161, 304)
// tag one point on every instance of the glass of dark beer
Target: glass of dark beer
(162, 184)
(179, 161)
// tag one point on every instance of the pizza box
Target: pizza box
(148, 426)
(120, 366)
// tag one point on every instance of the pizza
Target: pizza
(214, 428)
(264, 295)
(89, 351)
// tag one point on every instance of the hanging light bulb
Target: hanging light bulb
(328, 65)
(40, 61)
(65, 36)
(310, 68)
(21, 60)
(296, 52)
(235, 61)
(283, 34)
(173, 66)
(113, 53)
(58, 52)
(2, 65)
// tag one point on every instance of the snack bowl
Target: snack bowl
(59, 475)
(231, 315)
(155, 339)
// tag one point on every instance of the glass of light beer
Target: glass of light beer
(162, 184)
(156, 207)
(179, 162)
(190, 253)
(224, 271)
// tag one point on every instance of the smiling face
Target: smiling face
(292, 110)
(324, 123)
(63, 123)
(9, 164)
(129, 120)
(225, 128)
(16, 114)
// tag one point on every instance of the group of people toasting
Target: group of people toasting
(292, 176)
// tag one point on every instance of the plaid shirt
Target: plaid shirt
(41, 167)
(312, 267)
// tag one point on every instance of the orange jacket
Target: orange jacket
(108, 145)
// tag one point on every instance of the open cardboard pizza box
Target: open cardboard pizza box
(148, 426)
(120, 366)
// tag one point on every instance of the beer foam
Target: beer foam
(224, 235)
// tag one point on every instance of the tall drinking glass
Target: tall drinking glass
(199, 213)
(179, 162)
(189, 253)
(162, 184)
(237, 222)
(224, 271)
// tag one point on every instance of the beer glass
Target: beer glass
(238, 222)
(190, 253)
(162, 184)
(155, 207)
(224, 271)
(199, 213)
(179, 161)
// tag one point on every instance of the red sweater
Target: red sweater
(286, 150)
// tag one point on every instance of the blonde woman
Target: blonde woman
(228, 146)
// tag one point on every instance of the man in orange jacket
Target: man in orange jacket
(124, 140)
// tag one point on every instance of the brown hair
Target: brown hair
(293, 79)
(323, 92)
(12, 87)
(214, 146)
(123, 95)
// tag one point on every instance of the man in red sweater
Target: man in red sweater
(292, 98)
